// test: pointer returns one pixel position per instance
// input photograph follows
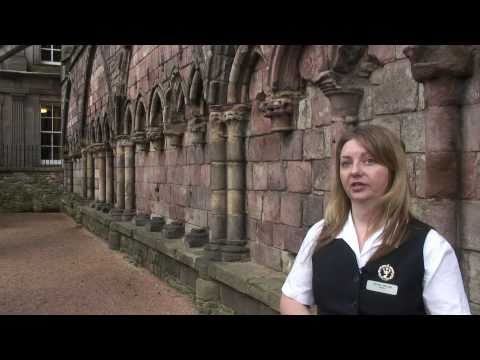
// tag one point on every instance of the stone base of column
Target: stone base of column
(116, 214)
(228, 251)
(128, 214)
(99, 205)
(106, 208)
(141, 220)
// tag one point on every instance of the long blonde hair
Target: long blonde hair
(394, 214)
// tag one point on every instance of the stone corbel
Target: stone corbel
(174, 133)
(140, 140)
(197, 128)
(98, 148)
(123, 139)
(155, 137)
(280, 112)
(216, 124)
(344, 100)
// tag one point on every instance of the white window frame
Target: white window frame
(51, 161)
(52, 50)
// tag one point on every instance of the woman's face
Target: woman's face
(363, 179)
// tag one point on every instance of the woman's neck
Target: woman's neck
(363, 220)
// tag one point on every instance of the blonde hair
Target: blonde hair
(387, 149)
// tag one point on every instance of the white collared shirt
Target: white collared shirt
(443, 290)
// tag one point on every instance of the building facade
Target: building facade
(236, 141)
(30, 127)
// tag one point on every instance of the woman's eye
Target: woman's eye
(370, 161)
(344, 164)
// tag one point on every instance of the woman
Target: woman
(370, 255)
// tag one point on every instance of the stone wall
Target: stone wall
(239, 139)
(33, 190)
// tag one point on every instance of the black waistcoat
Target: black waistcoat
(339, 287)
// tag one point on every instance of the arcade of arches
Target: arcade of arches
(230, 146)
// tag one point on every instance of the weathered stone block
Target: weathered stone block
(471, 175)
(271, 207)
(292, 146)
(249, 175)
(287, 237)
(472, 262)
(276, 176)
(196, 217)
(299, 176)
(180, 195)
(199, 197)
(206, 290)
(314, 144)
(312, 209)
(471, 225)
(217, 151)
(251, 230)
(268, 256)
(218, 226)
(413, 132)
(287, 261)
(322, 174)
(441, 126)
(291, 209)
(321, 108)
(384, 53)
(391, 122)
(271, 147)
(441, 170)
(438, 213)
(264, 233)
(399, 91)
(260, 176)
(471, 128)
(254, 204)
(218, 176)
(304, 120)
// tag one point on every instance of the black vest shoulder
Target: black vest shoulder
(339, 286)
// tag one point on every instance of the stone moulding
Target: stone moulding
(156, 137)
(174, 133)
(140, 140)
(197, 127)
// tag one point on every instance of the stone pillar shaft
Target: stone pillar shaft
(90, 176)
(129, 212)
(101, 176)
(108, 177)
(120, 168)
(84, 175)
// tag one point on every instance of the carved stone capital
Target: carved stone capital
(197, 127)
(174, 132)
(97, 147)
(433, 61)
(156, 137)
(280, 112)
(236, 119)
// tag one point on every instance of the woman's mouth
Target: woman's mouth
(357, 186)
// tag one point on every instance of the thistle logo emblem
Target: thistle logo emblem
(386, 272)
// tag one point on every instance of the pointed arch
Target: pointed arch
(245, 59)
(127, 125)
(140, 115)
(86, 93)
(157, 106)
(284, 73)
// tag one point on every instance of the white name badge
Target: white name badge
(380, 287)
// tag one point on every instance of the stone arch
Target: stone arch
(86, 93)
(140, 120)
(65, 109)
(127, 125)
(284, 73)
(157, 106)
(196, 92)
(245, 59)
(106, 129)
(176, 100)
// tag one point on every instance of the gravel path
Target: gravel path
(51, 265)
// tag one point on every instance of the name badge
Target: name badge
(383, 288)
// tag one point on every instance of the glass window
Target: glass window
(51, 53)
(51, 134)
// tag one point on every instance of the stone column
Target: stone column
(120, 181)
(90, 175)
(84, 174)
(129, 211)
(235, 248)
(100, 152)
(442, 70)
(108, 176)
(218, 182)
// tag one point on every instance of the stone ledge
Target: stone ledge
(252, 280)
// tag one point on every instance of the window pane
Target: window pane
(48, 109)
(56, 56)
(46, 152)
(45, 46)
(57, 124)
(56, 152)
(46, 55)
(46, 124)
(46, 139)
(57, 139)
(56, 111)
(58, 47)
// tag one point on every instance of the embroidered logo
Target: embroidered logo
(386, 272)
